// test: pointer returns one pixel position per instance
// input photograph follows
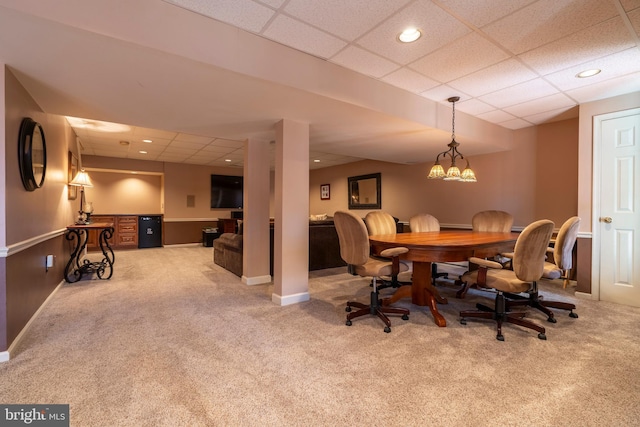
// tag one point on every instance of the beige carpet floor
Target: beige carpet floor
(174, 340)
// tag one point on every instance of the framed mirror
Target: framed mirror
(32, 154)
(364, 191)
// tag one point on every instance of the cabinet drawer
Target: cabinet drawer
(128, 220)
(127, 228)
(127, 240)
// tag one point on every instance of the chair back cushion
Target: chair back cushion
(424, 222)
(353, 236)
(492, 221)
(531, 248)
(566, 238)
(379, 222)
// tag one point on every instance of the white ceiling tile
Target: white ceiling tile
(438, 29)
(185, 137)
(303, 37)
(140, 132)
(245, 14)
(546, 116)
(634, 18)
(630, 4)
(179, 150)
(346, 19)
(495, 77)
(187, 145)
(273, 3)
(612, 66)
(410, 80)
(496, 116)
(583, 46)
(364, 62)
(607, 89)
(442, 93)
(541, 105)
(481, 13)
(474, 106)
(527, 91)
(220, 142)
(464, 56)
(515, 124)
(547, 20)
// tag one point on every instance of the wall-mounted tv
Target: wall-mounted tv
(226, 192)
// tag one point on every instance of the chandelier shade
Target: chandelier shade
(453, 172)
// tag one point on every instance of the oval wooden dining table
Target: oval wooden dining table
(438, 246)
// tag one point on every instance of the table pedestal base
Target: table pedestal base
(78, 267)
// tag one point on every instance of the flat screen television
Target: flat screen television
(226, 192)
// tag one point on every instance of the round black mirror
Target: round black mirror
(32, 154)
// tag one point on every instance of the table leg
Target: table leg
(74, 273)
(423, 293)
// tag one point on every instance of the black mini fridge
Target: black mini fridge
(149, 231)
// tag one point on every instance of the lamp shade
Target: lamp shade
(81, 179)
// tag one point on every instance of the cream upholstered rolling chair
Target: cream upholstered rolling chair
(424, 223)
(380, 222)
(562, 252)
(528, 266)
(490, 221)
(355, 251)
(562, 255)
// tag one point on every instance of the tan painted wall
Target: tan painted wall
(506, 181)
(557, 171)
(32, 214)
(122, 193)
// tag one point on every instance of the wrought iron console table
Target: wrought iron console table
(77, 267)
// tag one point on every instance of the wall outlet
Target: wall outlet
(49, 261)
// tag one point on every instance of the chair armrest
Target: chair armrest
(394, 252)
(507, 255)
(485, 263)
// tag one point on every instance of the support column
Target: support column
(291, 228)
(255, 226)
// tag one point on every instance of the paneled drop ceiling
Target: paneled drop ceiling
(199, 76)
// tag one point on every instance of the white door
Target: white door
(618, 223)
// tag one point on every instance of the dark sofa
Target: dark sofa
(324, 248)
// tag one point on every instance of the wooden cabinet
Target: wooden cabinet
(125, 232)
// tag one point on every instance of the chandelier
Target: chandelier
(453, 173)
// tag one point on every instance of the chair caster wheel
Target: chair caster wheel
(500, 337)
(348, 322)
(348, 309)
(574, 315)
(552, 320)
(405, 317)
(542, 336)
(463, 321)
(387, 329)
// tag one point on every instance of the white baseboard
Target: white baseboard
(583, 295)
(290, 299)
(6, 355)
(257, 280)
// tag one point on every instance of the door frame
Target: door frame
(596, 173)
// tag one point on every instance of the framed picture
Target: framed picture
(72, 190)
(325, 193)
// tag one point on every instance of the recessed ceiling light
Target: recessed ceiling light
(142, 152)
(124, 142)
(227, 160)
(147, 140)
(409, 35)
(588, 73)
(316, 161)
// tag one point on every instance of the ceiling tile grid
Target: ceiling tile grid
(512, 62)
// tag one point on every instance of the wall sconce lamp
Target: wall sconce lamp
(82, 180)
(453, 173)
